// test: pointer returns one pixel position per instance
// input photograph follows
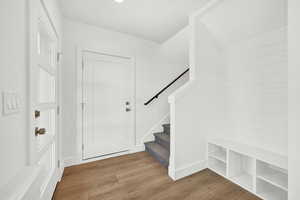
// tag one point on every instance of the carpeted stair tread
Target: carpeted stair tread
(163, 136)
(158, 152)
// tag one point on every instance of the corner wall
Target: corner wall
(198, 109)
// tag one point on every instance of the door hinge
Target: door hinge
(58, 163)
(58, 110)
(82, 65)
(58, 56)
(82, 106)
(82, 147)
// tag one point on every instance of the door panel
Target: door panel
(107, 86)
(43, 87)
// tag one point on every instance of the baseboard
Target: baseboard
(188, 170)
(75, 160)
(71, 161)
(138, 148)
(61, 173)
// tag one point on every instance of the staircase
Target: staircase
(160, 148)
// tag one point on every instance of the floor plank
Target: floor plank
(139, 177)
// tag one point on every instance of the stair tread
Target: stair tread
(163, 136)
(159, 150)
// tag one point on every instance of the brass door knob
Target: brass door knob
(40, 131)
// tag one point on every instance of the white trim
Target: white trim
(188, 170)
(138, 148)
(79, 130)
(71, 161)
(77, 160)
(32, 60)
(22, 185)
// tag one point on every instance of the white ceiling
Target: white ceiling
(155, 20)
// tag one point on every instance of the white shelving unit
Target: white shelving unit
(268, 191)
(273, 175)
(261, 172)
(217, 152)
(217, 158)
(241, 170)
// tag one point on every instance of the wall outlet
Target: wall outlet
(11, 103)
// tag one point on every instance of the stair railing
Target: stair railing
(166, 87)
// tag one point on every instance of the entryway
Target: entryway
(108, 104)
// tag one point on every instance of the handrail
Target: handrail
(161, 91)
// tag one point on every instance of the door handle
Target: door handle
(37, 114)
(40, 131)
(128, 109)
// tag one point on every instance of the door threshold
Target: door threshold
(105, 156)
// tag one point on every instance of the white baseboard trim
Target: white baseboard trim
(138, 148)
(188, 170)
(71, 161)
(77, 160)
(61, 173)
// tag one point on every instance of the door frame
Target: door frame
(31, 61)
(79, 63)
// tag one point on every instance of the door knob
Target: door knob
(40, 131)
(37, 114)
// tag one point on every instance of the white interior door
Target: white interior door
(108, 96)
(43, 98)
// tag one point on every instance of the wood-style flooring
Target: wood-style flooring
(139, 177)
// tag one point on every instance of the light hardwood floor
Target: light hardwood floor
(139, 177)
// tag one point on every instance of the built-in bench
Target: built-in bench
(261, 172)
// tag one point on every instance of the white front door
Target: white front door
(43, 98)
(108, 97)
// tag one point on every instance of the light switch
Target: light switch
(11, 103)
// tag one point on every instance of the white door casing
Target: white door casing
(108, 104)
(43, 98)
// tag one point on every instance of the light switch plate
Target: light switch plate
(11, 103)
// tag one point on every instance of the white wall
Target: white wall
(176, 48)
(13, 77)
(257, 70)
(13, 128)
(294, 99)
(198, 110)
(153, 71)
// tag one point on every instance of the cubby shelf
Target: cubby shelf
(219, 155)
(261, 172)
(244, 180)
(217, 166)
(275, 176)
(268, 191)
